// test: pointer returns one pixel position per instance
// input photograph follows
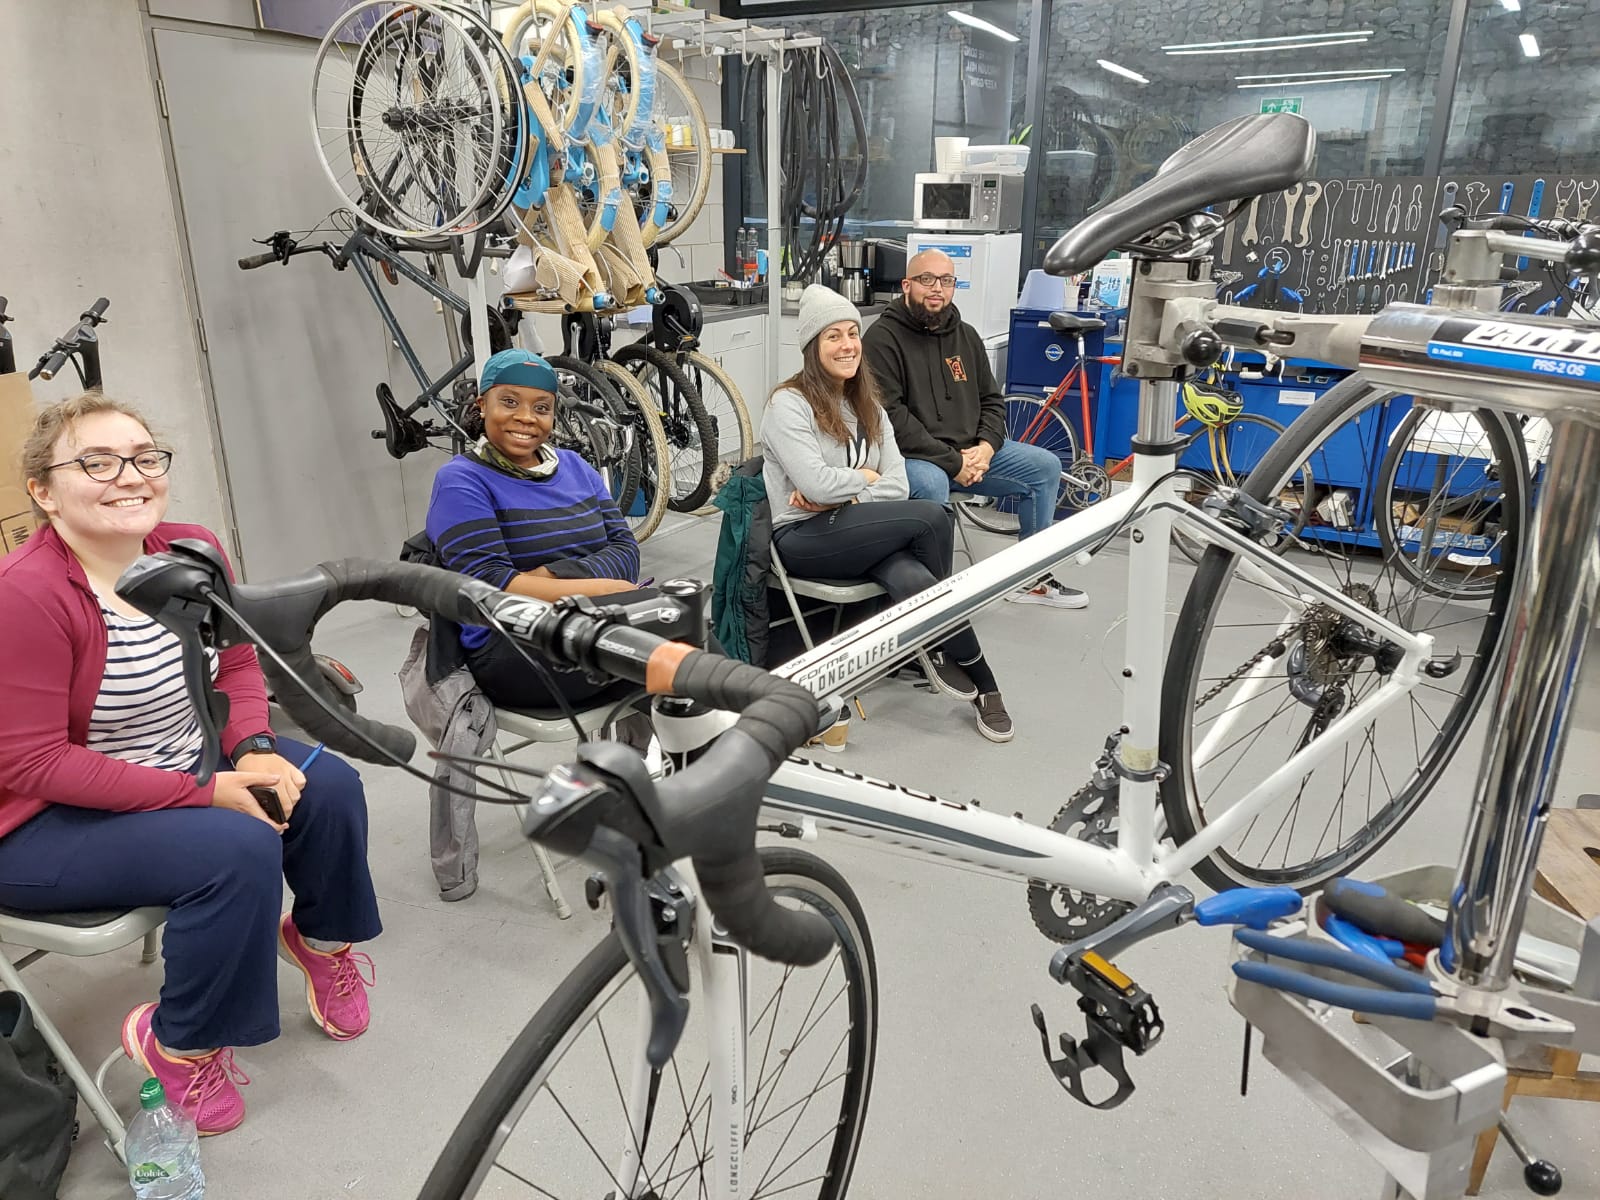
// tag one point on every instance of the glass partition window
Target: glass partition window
(1523, 101)
(1128, 81)
(925, 72)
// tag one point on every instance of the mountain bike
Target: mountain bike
(604, 1093)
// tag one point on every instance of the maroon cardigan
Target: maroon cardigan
(53, 651)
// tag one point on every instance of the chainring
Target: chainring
(1066, 914)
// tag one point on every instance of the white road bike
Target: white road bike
(1306, 703)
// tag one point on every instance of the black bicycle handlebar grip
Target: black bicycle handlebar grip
(430, 589)
(778, 714)
(51, 365)
(97, 310)
(369, 740)
(252, 261)
(713, 804)
(1585, 252)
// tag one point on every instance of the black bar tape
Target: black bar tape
(778, 714)
(431, 589)
(737, 892)
(401, 743)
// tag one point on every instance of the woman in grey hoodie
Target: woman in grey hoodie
(836, 483)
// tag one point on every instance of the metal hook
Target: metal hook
(744, 42)
(822, 65)
(786, 59)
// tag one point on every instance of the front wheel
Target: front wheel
(1259, 673)
(572, 1106)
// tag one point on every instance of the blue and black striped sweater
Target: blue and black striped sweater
(493, 526)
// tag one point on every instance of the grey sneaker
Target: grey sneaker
(950, 679)
(1052, 592)
(994, 722)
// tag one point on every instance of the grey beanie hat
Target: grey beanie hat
(820, 307)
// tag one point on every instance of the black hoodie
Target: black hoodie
(935, 384)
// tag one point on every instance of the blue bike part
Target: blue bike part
(1354, 938)
(663, 203)
(1533, 212)
(1254, 907)
(1355, 261)
(600, 129)
(1241, 297)
(1343, 995)
(608, 209)
(1372, 258)
(654, 295)
(1295, 296)
(536, 183)
(1321, 954)
(644, 84)
(1507, 190)
(631, 168)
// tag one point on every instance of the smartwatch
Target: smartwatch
(261, 743)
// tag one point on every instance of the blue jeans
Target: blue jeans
(221, 875)
(1017, 469)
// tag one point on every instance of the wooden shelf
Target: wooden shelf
(727, 150)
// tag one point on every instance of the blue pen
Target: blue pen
(312, 757)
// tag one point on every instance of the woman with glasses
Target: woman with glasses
(99, 807)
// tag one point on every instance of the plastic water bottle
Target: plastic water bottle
(163, 1149)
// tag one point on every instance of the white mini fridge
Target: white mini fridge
(988, 266)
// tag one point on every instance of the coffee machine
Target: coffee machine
(855, 282)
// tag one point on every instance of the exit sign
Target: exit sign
(1290, 104)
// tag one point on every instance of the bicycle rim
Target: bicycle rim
(1438, 501)
(1030, 420)
(651, 441)
(552, 1120)
(1254, 675)
(615, 454)
(730, 418)
(691, 438)
(412, 126)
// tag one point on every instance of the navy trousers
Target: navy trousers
(221, 875)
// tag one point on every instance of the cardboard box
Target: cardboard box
(17, 411)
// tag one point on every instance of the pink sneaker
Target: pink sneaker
(336, 990)
(205, 1087)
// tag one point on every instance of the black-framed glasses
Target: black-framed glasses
(947, 282)
(105, 468)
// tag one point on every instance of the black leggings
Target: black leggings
(903, 546)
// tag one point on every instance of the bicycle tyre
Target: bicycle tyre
(691, 436)
(1353, 399)
(621, 471)
(654, 454)
(1209, 481)
(491, 1117)
(730, 416)
(1054, 433)
(1385, 500)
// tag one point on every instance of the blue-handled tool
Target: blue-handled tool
(1357, 939)
(1254, 907)
(1324, 954)
(1344, 995)
(316, 753)
(1507, 190)
(1533, 212)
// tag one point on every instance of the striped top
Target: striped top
(143, 713)
(494, 526)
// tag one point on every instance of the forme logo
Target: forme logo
(1054, 353)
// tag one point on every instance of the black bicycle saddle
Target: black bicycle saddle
(1237, 160)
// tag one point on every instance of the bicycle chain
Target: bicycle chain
(1272, 649)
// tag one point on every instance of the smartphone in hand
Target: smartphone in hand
(268, 799)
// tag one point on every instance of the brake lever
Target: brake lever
(174, 588)
(570, 815)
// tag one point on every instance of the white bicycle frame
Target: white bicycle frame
(843, 801)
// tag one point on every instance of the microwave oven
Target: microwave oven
(967, 202)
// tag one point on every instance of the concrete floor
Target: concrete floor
(962, 1104)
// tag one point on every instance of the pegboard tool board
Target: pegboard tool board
(1330, 245)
